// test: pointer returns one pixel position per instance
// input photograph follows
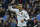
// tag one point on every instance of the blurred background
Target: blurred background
(7, 17)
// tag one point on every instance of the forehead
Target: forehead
(20, 4)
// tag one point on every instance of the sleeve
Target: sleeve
(12, 9)
(35, 26)
(26, 16)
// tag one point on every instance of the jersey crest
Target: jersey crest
(21, 13)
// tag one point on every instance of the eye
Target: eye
(20, 5)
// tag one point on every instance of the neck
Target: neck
(20, 10)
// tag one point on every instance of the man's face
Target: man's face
(8, 16)
(32, 4)
(39, 3)
(0, 9)
(0, 21)
(39, 23)
(11, 13)
(13, 20)
(38, 7)
(32, 13)
(12, 16)
(3, 9)
(35, 17)
(5, 13)
(20, 6)
(29, 10)
(36, 4)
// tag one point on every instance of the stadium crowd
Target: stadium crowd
(9, 18)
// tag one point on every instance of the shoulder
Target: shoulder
(25, 12)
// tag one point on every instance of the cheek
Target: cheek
(19, 6)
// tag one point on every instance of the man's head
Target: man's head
(35, 17)
(0, 9)
(36, 4)
(6, 13)
(3, 9)
(39, 23)
(39, 7)
(13, 20)
(32, 5)
(8, 16)
(20, 6)
(11, 16)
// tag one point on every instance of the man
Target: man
(38, 17)
(13, 23)
(5, 16)
(38, 24)
(30, 23)
(21, 15)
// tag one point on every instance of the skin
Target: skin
(39, 23)
(20, 9)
